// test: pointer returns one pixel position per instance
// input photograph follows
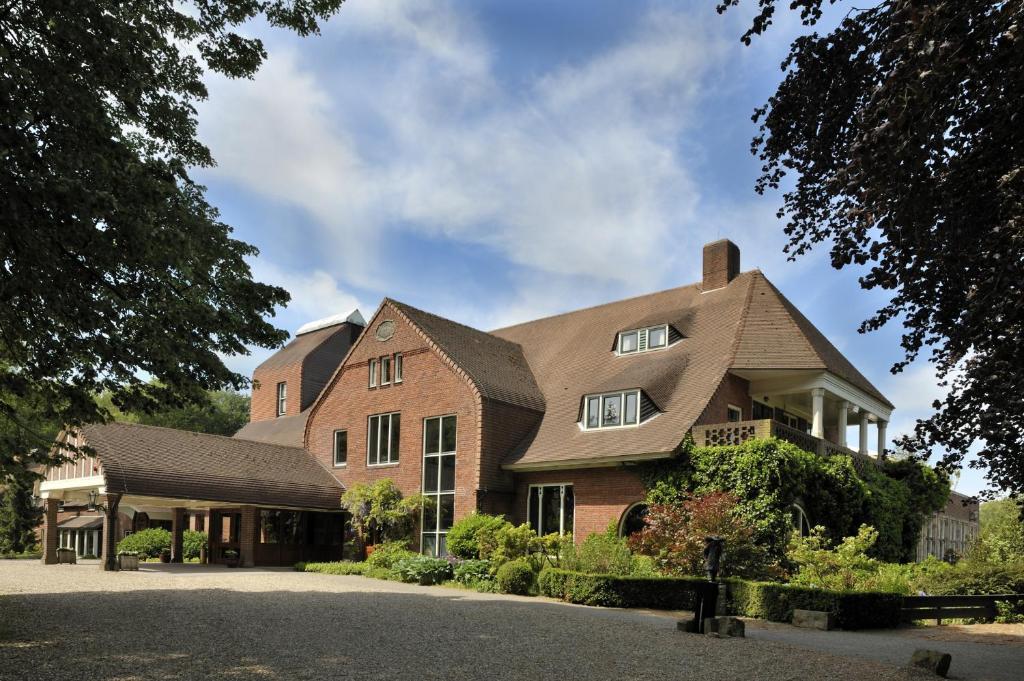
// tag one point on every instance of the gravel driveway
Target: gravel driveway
(196, 622)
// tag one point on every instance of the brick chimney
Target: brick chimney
(721, 263)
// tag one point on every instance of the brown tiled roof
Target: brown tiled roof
(283, 430)
(163, 462)
(496, 366)
(82, 522)
(776, 335)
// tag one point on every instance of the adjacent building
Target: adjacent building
(544, 421)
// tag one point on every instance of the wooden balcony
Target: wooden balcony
(737, 432)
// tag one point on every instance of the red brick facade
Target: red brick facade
(732, 391)
(264, 392)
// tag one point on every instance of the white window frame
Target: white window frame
(391, 460)
(436, 495)
(561, 506)
(344, 463)
(373, 373)
(282, 398)
(643, 335)
(584, 424)
(730, 408)
(397, 364)
(385, 370)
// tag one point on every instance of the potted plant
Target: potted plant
(231, 558)
(128, 560)
(165, 556)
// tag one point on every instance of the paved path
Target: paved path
(195, 622)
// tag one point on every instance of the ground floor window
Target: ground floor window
(801, 523)
(633, 519)
(551, 509)
(439, 443)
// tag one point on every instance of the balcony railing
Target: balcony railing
(737, 432)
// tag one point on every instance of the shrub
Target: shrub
(150, 543)
(515, 577)
(600, 553)
(508, 543)
(665, 593)
(386, 555)
(776, 602)
(193, 543)
(463, 540)
(473, 572)
(674, 537)
(344, 567)
(380, 506)
(842, 568)
(967, 577)
(423, 569)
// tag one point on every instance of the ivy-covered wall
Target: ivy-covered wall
(770, 475)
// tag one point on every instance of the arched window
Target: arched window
(800, 521)
(633, 519)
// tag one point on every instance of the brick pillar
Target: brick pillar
(51, 535)
(177, 535)
(109, 562)
(247, 537)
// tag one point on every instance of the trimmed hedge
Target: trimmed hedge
(776, 603)
(344, 567)
(613, 591)
(515, 577)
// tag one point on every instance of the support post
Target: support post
(863, 449)
(177, 535)
(842, 423)
(881, 438)
(247, 537)
(109, 562)
(818, 413)
(51, 536)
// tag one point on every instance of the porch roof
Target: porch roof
(149, 461)
(82, 522)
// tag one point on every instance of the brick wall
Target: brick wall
(430, 387)
(721, 263)
(602, 495)
(264, 391)
(732, 390)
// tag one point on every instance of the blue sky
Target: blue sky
(495, 162)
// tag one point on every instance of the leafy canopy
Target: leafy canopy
(902, 128)
(112, 264)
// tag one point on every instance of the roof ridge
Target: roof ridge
(741, 325)
(695, 284)
(452, 321)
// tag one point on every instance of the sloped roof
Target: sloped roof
(496, 366)
(164, 462)
(299, 347)
(776, 335)
(82, 522)
(289, 431)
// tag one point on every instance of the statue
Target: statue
(713, 547)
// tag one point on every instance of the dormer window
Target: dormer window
(642, 340)
(611, 410)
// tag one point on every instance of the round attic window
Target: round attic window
(385, 330)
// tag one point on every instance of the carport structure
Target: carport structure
(270, 503)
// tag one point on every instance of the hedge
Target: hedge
(344, 567)
(763, 600)
(776, 603)
(663, 593)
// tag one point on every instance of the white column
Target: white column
(818, 412)
(863, 432)
(841, 424)
(881, 438)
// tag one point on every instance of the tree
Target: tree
(1002, 533)
(903, 128)
(379, 510)
(112, 264)
(221, 412)
(19, 516)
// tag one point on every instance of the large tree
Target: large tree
(114, 269)
(902, 128)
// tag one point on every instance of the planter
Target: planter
(127, 561)
(165, 556)
(427, 580)
(231, 558)
(66, 555)
(370, 549)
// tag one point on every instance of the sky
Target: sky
(495, 162)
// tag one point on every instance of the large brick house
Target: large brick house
(543, 421)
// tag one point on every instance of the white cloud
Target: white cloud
(315, 294)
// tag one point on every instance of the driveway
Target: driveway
(196, 622)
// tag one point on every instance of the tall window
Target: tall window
(385, 370)
(282, 398)
(382, 439)
(551, 509)
(373, 373)
(438, 482)
(612, 410)
(398, 367)
(340, 447)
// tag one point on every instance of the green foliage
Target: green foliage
(19, 516)
(473, 572)
(618, 591)
(150, 543)
(463, 541)
(192, 543)
(380, 506)
(776, 602)
(1002, 533)
(767, 476)
(507, 542)
(603, 553)
(344, 567)
(674, 537)
(385, 556)
(515, 577)
(220, 412)
(966, 578)
(840, 568)
(423, 569)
